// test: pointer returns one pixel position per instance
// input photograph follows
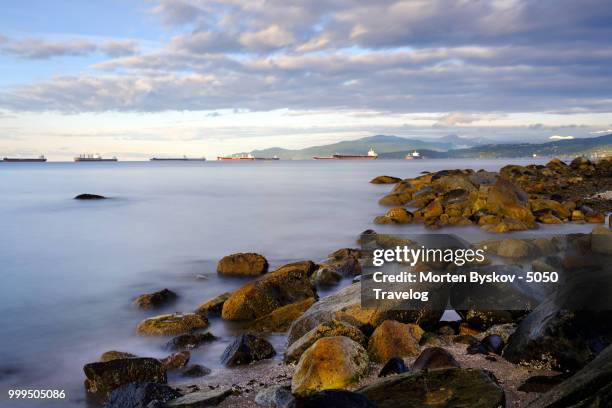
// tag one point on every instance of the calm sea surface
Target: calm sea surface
(70, 269)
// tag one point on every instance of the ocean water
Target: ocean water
(70, 269)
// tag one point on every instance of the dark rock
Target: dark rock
(451, 387)
(189, 341)
(326, 277)
(176, 360)
(493, 343)
(114, 355)
(337, 399)
(89, 197)
(196, 370)
(203, 398)
(589, 387)
(243, 264)
(246, 349)
(213, 306)
(541, 383)
(140, 395)
(276, 397)
(434, 358)
(477, 348)
(395, 365)
(105, 377)
(155, 299)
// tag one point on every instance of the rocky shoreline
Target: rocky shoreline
(342, 355)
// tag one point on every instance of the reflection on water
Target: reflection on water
(70, 269)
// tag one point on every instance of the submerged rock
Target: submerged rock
(203, 398)
(280, 320)
(395, 365)
(433, 358)
(155, 299)
(247, 349)
(326, 329)
(330, 363)
(337, 399)
(171, 324)
(276, 396)
(189, 341)
(244, 264)
(452, 387)
(288, 284)
(213, 306)
(140, 395)
(105, 377)
(394, 339)
(115, 355)
(87, 196)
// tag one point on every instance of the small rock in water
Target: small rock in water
(196, 370)
(89, 197)
(155, 299)
(276, 397)
(170, 324)
(244, 264)
(114, 355)
(189, 341)
(140, 395)
(246, 349)
(105, 377)
(395, 365)
(433, 358)
(337, 399)
(176, 360)
(493, 343)
(202, 398)
(326, 277)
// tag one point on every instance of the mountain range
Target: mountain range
(452, 146)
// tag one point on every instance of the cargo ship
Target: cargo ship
(372, 155)
(39, 159)
(414, 156)
(93, 158)
(248, 157)
(184, 158)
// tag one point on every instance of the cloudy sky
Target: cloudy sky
(206, 77)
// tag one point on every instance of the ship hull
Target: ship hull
(79, 159)
(13, 160)
(176, 159)
(345, 157)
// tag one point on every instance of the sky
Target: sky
(137, 79)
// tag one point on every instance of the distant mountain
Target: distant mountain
(380, 143)
(451, 146)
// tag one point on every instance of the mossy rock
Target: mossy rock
(172, 324)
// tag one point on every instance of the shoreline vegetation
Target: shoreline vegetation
(340, 354)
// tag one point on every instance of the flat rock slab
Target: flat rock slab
(204, 398)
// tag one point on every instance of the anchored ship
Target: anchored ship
(184, 158)
(372, 155)
(414, 156)
(93, 158)
(244, 157)
(24, 160)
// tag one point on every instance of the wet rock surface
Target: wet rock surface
(394, 339)
(155, 299)
(189, 341)
(213, 306)
(141, 395)
(104, 377)
(243, 264)
(434, 358)
(276, 397)
(172, 324)
(279, 320)
(203, 398)
(246, 349)
(395, 365)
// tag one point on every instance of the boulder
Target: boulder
(213, 306)
(87, 196)
(507, 199)
(326, 277)
(589, 387)
(504, 331)
(394, 339)
(434, 358)
(451, 387)
(114, 355)
(247, 349)
(286, 285)
(172, 324)
(493, 343)
(196, 370)
(395, 199)
(243, 264)
(140, 395)
(326, 329)
(336, 399)
(395, 365)
(202, 398)
(453, 182)
(396, 215)
(276, 396)
(330, 363)
(105, 377)
(155, 299)
(345, 306)
(189, 341)
(385, 180)
(176, 360)
(280, 320)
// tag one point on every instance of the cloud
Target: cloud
(458, 118)
(36, 48)
(559, 137)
